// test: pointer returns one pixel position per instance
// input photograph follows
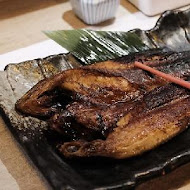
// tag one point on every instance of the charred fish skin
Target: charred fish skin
(173, 63)
(68, 127)
(104, 119)
(82, 85)
(96, 105)
(98, 118)
(141, 129)
(39, 100)
(102, 83)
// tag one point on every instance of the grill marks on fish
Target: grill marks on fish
(141, 129)
(98, 118)
(111, 108)
(79, 84)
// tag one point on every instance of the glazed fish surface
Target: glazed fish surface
(111, 108)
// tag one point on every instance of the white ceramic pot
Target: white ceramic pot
(95, 11)
(153, 7)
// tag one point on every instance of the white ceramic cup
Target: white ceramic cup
(95, 11)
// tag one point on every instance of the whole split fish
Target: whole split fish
(112, 108)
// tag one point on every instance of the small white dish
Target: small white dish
(154, 7)
(95, 11)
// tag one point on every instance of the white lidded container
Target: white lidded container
(95, 11)
(154, 7)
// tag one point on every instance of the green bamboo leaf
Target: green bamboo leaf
(93, 46)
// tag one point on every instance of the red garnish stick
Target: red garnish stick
(168, 77)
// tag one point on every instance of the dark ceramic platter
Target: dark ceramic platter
(39, 143)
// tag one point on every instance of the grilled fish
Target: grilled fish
(159, 116)
(111, 108)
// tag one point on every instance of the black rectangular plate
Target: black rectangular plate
(171, 32)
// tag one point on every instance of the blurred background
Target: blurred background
(21, 21)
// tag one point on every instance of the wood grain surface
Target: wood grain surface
(22, 22)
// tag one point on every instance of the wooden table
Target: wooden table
(21, 23)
